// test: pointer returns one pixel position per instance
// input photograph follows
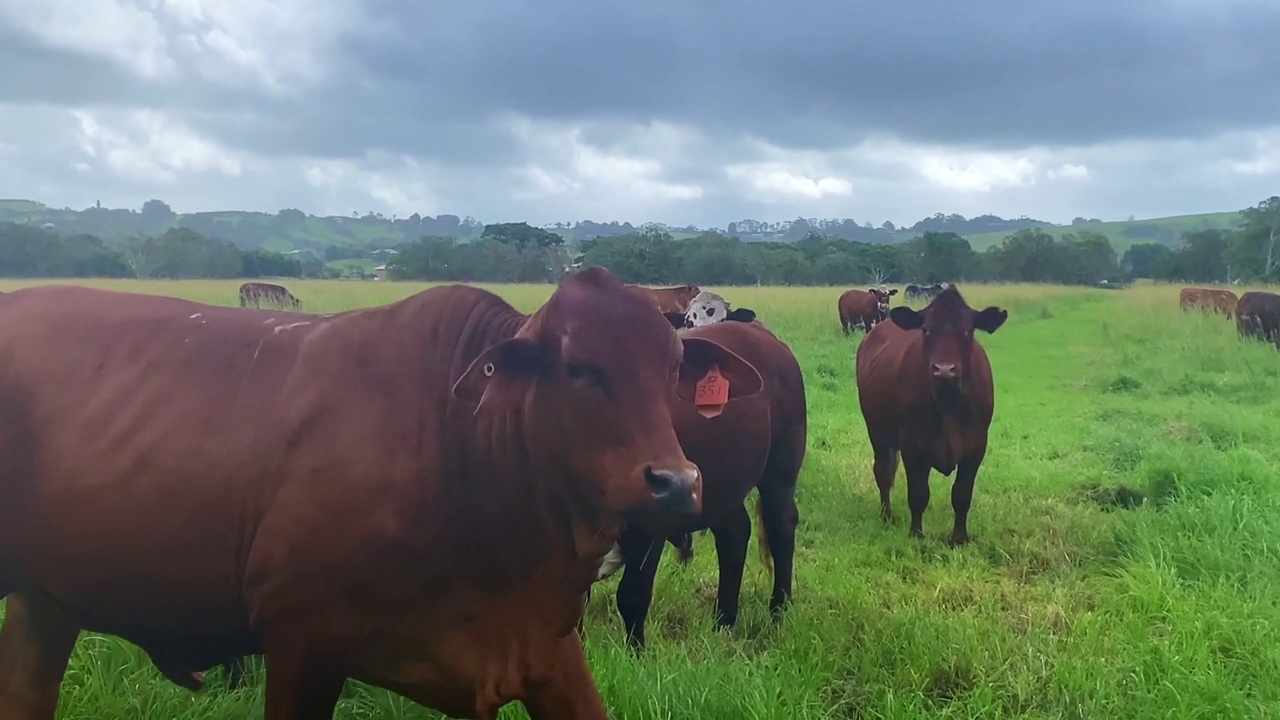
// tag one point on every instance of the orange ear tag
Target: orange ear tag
(711, 393)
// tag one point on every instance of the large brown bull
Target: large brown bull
(210, 482)
(926, 393)
(1217, 301)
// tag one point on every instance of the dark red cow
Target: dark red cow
(756, 442)
(863, 307)
(1258, 316)
(926, 392)
(416, 496)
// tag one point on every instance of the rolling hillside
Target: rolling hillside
(293, 230)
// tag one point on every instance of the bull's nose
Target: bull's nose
(674, 489)
(943, 371)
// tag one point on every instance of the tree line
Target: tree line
(518, 252)
(178, 253)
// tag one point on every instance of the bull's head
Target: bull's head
(594, 374)
(948, 324)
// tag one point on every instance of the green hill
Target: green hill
(333, 236)
(1165, 231)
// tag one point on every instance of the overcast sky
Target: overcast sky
(678, 111)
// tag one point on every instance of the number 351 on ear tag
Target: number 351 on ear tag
(711, 393)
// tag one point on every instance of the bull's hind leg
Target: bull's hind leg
(35, 643)
(641, 553)
(884, 467)
(779, 515)
(732, 537)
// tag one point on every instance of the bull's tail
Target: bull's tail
(762, 536)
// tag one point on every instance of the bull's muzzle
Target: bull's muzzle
(675, 491)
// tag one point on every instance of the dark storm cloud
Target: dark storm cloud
(426, 78)
(829, 72)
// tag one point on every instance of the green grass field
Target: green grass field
(1066, 605)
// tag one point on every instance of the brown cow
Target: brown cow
(865, 307)
(211, 482)
(926, 391)
(671, 301)
(1216, 301)
(755, 442)
(1258, 316)
(257, 293)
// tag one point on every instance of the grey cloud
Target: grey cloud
(826, 72)
(427, 80)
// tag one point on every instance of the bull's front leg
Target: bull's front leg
(569, 693)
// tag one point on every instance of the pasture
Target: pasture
(1075, 600)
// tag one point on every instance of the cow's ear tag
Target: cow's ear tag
(711, 393)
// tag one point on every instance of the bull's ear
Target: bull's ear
(676, 319)
(893, 291)
(990, 319)
(700, 354)
(500, 377)
(906, 318)
(742, 315)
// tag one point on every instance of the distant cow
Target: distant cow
(210, 482)
(1258, 316)
(926, 392)
(924, 292)
(673, 301)
(708, 308)
(1216, 301)
(258, 293)
(755, 442)
(863, 307)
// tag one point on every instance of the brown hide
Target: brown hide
(926, 392)
(1217, 301)
(416, 496)
(669, 299)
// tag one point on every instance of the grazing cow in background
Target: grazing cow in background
(673, 302)
(709, 308)
(926, 392)
(479, 472)
(1221, 302)
(924, 292)
(863, 307)
(754, 442)
(1258, 316)
(257, 293)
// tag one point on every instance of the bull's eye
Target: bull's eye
(585, 374)
(711, 312)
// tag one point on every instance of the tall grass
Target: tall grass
(1125, 563)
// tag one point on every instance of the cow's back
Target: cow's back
(735, 445)
(853, 305)
(149, 437)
